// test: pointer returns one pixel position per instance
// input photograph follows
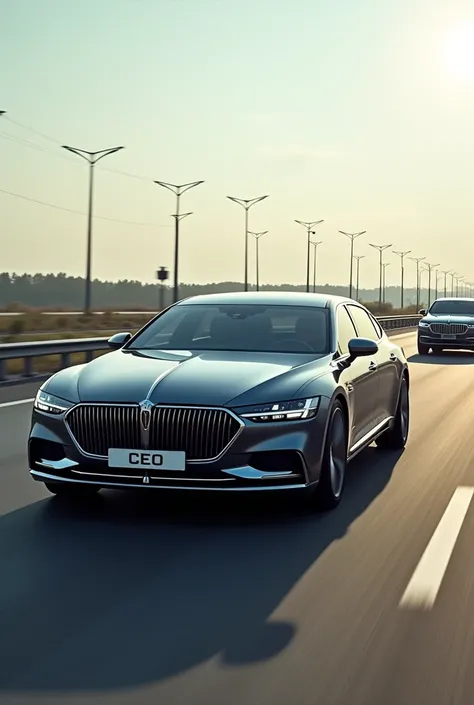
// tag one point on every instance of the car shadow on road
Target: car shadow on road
(134, 589)
(455, 357)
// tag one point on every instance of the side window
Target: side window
(363, 323)
(377, 326)
(345, 330)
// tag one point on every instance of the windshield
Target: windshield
(241, 327)
(454, 308)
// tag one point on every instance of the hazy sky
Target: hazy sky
(358, 112)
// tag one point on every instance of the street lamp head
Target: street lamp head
(92, 157)
(246, 202)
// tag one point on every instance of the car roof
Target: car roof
(453, 298)
(269, 298)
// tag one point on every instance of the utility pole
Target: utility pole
(309, 227)
(453, 277)
(381, 249)
(417, 260)
(402, 256)
(247, 205)
(315, 257)
(178, 190)
(358, 259)
(162, 275)
(429, 268)
(352, 237)
(257, 237)
(92, 158)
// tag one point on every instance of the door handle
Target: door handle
(393, 357)
(372, 367)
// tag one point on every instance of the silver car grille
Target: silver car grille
(202, 433)
(449, 328)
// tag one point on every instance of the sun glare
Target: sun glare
(459, 51)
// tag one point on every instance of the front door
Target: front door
(360, 380)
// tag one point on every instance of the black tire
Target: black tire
(397, 435)
(333, 471)
(423, 349)
(66, 489)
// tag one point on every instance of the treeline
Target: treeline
(62, 292)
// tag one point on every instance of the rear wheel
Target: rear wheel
(333, 471)
(66, 489)
(423, 349)
(396, 436)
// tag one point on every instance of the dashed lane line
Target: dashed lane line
(426, 581)
(6, 404)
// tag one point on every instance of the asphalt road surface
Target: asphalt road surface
(140, 599)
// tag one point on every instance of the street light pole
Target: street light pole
(402, 256)
(315, 244)
(247, 205)
(385, 265)
(381, 249)
(358, 259)
(352, 237)
(309, 227)
(417, 260)
(257, 237)
(453, 277)
(445, 281)
(178, 190)
(92, 158)
(429, 268)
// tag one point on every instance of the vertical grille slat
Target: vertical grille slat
(201, 433)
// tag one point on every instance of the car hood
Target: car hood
(201, 378)
(448, 318)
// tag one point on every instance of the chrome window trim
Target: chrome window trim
(162, 406)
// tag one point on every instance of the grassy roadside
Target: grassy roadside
(51, 363)
(12, 326)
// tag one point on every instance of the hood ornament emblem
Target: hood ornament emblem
(145, 414)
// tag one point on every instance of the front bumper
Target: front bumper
(463, 341)
(273, 456)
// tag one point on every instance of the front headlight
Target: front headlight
(423, 324)
(281, 411)
(50, 404)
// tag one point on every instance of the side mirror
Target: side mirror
(118, 340)
(362, 347)
(422, 311)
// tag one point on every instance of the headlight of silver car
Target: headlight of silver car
(50, 404)
(293, 410)
(423, 324)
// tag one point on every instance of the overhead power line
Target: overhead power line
(71, 210)
(57, 143)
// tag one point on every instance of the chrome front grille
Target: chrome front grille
(448, 328)
(203, 434)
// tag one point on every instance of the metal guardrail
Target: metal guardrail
(28, 351)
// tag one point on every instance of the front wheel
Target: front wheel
(397, 435)
(333, 471)
(66, 489)
(423, 349)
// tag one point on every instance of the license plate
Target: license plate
(449, 337)
(147, 459)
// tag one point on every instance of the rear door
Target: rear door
(359, 380)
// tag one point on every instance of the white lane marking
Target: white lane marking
(423, 587)
(5, 404)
